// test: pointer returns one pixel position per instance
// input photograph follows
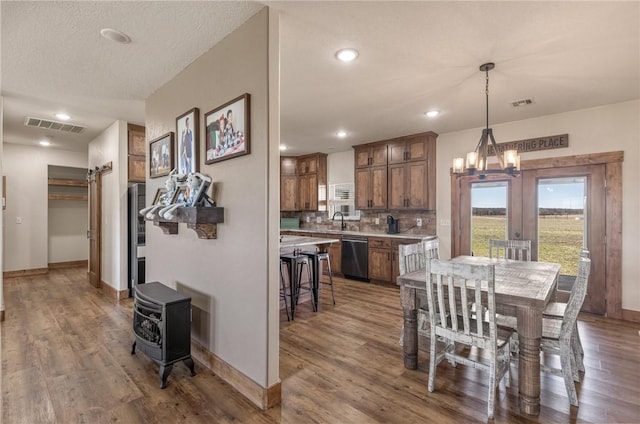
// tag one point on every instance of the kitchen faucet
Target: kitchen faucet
(343, 226)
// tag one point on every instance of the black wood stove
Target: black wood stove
(162, 327)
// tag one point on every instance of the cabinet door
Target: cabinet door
(304, 197)
(397, 193)
(361, 156)
(288, 166)
(363, 188)
(397, 152)
(379, 187)
(137, 144)
(416, 185)
(335, 255)
(308, 165)
(312, 181)
(416, 149)
(378, 155)
(288, 193)
(380, 264)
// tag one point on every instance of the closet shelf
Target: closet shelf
(67, 183)
(55, 196)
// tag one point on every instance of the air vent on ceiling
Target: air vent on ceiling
(524, 102)
(52, 125)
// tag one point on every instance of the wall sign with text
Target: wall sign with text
(533, 144)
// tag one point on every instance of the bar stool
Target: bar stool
(317, 258)
(283, 291)
(295, 263)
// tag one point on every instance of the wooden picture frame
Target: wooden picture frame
(161, 156)
(188, 141)
(157, 199)
(227, 130)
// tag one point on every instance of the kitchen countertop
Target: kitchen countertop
(360, 233)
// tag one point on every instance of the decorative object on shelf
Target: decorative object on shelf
(192, 193)
(161, 156)
(227, 130)
(185, 200)
(187, 132)
(164, 196)
(476, 161)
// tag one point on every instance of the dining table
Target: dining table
(523, 289)
(295, 244)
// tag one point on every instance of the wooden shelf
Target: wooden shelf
(67, 183)
(53, 196)
(203, 220)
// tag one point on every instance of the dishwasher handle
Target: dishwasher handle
(354, 240)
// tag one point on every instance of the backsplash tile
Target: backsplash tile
(367, 222)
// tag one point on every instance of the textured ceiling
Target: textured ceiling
(414, 56)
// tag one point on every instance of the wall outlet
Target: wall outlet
(18, 220)
(419, 222)
(377, 221)
(308, 219)
(319, 220)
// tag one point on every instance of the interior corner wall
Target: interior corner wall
(111, 146)
(26, 169)
(1, 214)
(228, 277)
(596, 130)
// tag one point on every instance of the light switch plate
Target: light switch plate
(319, 220)
(18, 220)
(419, 222)
(445, 222)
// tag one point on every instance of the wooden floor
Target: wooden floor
(66, 359)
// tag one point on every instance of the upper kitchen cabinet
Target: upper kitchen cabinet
(370, 155)
(288, 183)
(303, 183)
(407, 175)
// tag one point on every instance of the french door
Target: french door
(560, 209)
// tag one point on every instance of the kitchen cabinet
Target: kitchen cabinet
(408, 186)
(288, 184)
(136, 150)
(380, 262)
(371, 188)
(404, 180)
(303, 183)
(370, 155)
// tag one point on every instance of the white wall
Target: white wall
(111, 146)
(68, 224)
(340, 167)
(232, 279)
(602, 129)
(26, 168)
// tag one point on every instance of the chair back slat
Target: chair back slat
(411, 258)
(510, 249)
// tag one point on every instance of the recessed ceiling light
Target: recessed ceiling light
(283, 147)
(63, 116)
(432, 113)
(45, 143)
(346, 55)
(115, 35)
(341, 134)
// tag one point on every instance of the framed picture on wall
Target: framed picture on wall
(161, 156)
(187, 132)
(227, 130)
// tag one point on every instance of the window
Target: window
(342, 199)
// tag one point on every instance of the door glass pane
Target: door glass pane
(488, 215)
(562, 221)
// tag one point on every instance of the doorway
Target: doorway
(562, 206)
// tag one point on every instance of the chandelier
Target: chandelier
(476, 161)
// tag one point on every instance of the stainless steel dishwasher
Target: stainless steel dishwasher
(355, 258)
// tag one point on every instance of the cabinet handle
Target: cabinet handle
(405, 155)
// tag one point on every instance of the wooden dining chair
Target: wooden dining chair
(557, 335)
(557, 310)
(451, 288)
(412, 257)
(510, 249)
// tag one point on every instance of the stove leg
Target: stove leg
(164, 373)
(133, 348)
(189, 363)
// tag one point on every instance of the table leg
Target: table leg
(410, 317)
(529, 334)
